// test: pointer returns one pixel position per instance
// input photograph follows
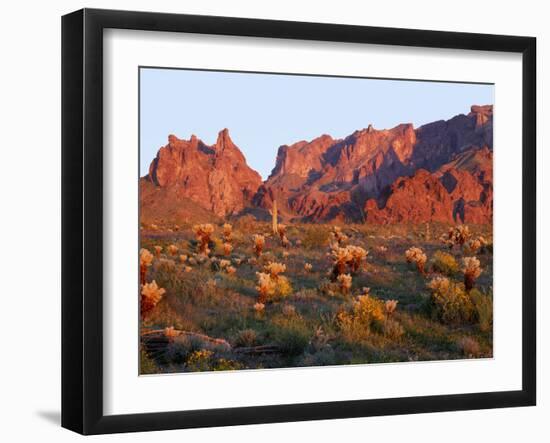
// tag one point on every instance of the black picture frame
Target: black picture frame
(82, 218)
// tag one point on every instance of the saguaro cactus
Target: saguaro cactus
(274, 218)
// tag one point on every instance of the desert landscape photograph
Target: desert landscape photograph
(304, 221)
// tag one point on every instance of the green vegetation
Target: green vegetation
(311, 296)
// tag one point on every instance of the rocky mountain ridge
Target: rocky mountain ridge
(441, 171)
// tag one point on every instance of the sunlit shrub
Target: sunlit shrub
(358, 255)
(341, 257)
(158, 250)
(275, 269)
(308, 267)
(203, 233)
(338, 236)
(224, 264)
(345, 282)
(417, 256)
(366, 317)
(227, 248)
(259, 307)
(172, 249)
(390, 306)
(456, 235)
(227, 233)
(266, 287)
(183, 258)
(200, 360)
(281, 230)
(444, 263)
(151, 294)
(472, 270)
(259, 242)
(145, 260)
(450, 303)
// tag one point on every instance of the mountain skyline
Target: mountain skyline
(265, 111)
(355, 178)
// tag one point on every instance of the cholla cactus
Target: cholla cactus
(203, 233)
(338, 236)
(266, 286)
(281, 230)
(457, 235)
(473, 245)
(158, 250)
(227, 248)
(308, 267)
(183, 258)
(417, 256)
(172, 249)
(358, 255)
(274, 269)
(145, 260)
(390, 306)
(224, 264)
(471, 270)
(231, 270)
(259, 242)
(151, 294)
(227, 232)
(341, 257)
(259, 307)
(187, 268)
(345, 281)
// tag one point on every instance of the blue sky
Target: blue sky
(264, 111)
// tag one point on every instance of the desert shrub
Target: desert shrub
(223, 364)
(146, 365)
(444, 263)
(366, 317)
(323, 357)
(292, 338)
(483, 306)
(450, 303)
(469, 347)
(315, 237)
(393, 329)
(245, 338)
(180, 348)
(200, 360)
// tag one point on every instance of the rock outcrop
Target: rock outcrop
(327, 179)
(216, 178)
(460, 191)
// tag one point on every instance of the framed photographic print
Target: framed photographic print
(269, 221)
